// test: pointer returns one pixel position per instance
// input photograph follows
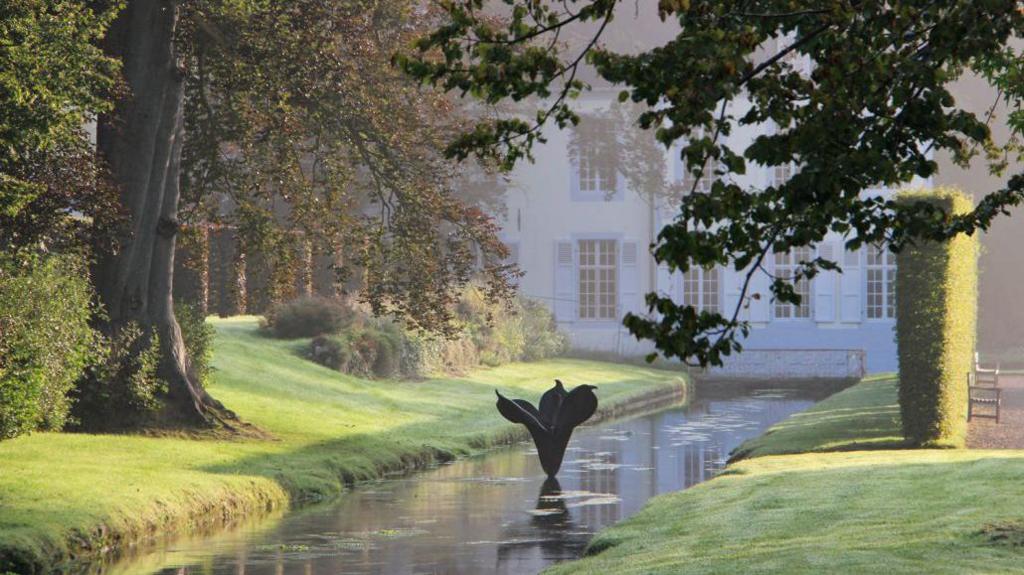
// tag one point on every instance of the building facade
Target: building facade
(582, 237)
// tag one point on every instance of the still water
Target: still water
(496, 513)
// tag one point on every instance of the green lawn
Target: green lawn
(65, 492)
(865, 416)
(874, 511)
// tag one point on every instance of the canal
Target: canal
(494, 513)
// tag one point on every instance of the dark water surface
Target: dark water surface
(496, 513)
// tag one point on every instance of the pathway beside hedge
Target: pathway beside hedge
(985, 433)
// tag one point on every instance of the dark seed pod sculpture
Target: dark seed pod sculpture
(551, 426)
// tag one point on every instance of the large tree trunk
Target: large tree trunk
(141, 141)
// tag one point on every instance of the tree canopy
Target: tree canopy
(870, 110)
(295, 116)
(54, 79)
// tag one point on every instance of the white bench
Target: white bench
(983, 389)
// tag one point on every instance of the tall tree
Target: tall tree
(141, 140)
(288, 113)
(870, 110)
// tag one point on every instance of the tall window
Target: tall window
(598, 279)
(596, 177)
(781, 174)
(700, 289)
(594, 148)
(703, 183)
(785, 268)
(881, 283)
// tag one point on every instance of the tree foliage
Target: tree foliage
(53, 79)
(296, 121)
(872, 111)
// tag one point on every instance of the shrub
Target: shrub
(936, 315)
(366, 350)
(45, 340)
(491, 335)
(308, 317)
(123, 389)
(198, 336)
(541, 336)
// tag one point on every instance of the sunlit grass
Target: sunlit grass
(865, 416)
(329, 428)
(874, 511)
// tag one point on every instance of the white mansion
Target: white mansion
(581, 236)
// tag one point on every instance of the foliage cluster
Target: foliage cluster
(307, 316)
(844, 92)
(45, 340)
(298, 122)
(53, 79)
(122, 389)
(936, 320)
(353, 341)
(198, 337)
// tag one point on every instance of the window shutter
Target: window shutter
(574, 176)
(754, 309)
(732, 281)
(850, 286)
(565, 286)
(759, 284)
(666, 286)
(825, 287)
(629, 279)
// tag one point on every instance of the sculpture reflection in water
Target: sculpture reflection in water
(551, 424)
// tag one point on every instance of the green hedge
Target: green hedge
(936, 317)
(45, 340)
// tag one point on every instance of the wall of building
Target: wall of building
(545, 211)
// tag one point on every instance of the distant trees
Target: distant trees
(870, 110)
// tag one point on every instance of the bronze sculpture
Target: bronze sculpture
(551, 425)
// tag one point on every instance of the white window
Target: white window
(596, 177)
(598, 279)
(781, 174)
(700, 289)
(881, 283)
(703, 183)
(786, 266)
(595, 152)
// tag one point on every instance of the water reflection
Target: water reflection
(496, 514)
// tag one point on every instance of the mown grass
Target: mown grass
(62, 494)
(864, 416)
(874, 511)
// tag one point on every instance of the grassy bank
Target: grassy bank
(68, 494)
(891, 511)
(865, 416)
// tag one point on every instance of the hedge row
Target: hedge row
(45, 340)
(347, 338)
(936, 317)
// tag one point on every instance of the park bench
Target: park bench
(983, 389)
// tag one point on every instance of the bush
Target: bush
(308, 317)
(369, 350)
(491, 335)
(936, 315)
(123, 389)
(541, 336)
(198, 336)
(45, 341)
